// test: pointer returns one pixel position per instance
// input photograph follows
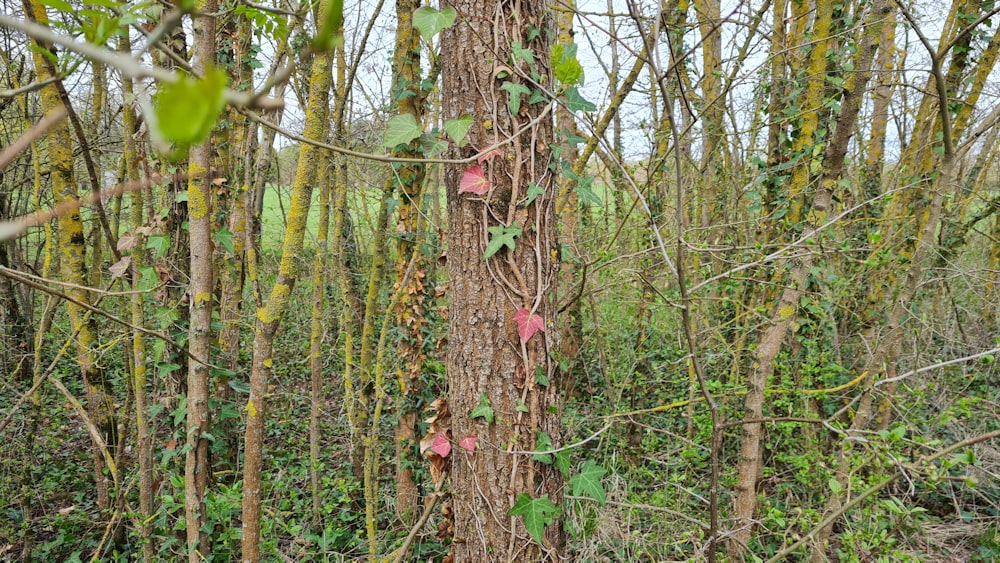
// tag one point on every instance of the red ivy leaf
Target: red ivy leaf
(528, 324)
(469, 443)
(488, 155)
(119, 268)
(127, 241)
(474, 181)
(441, 445)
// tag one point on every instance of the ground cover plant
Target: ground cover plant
(490, 280)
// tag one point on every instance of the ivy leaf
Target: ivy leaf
(401, 129)
(429, 21)
(127, 241)
(469, 443)
(586, 193)
(534, 190)
(488, 155)
(537, 96)
(543, 444)
(483, 410)
(576, 102)
(588, 482)
(441, 445)
(501, 236)
(148, 279)
(159, 244)
(119, 268)
(457, 129)
(224, 238)
(474, 181)
(431, 145)
(187, 110)
(519, 52)
(515, 91)
(562, 462)
(528, 324)
(537, 513)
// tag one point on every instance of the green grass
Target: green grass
(277, 201)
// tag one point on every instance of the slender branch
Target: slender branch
(20, 278)
(128, 66)
(27, 89)
(30, 136)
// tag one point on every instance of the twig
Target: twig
(432, 501)
(128, 66)
(25, 140)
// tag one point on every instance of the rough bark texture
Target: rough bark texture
(486, 356)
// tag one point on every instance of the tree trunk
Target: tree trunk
(487, 360)
(269, 316)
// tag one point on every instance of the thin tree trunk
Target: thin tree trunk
(197, 466)
(269, 316)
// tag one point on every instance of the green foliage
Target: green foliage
(187, 110)
(576, 102)
(588, 482)
(514, 92)
(537, 512)
(401, 129)
(457, 129)
(543, 443)
(430, 21)
(483, 410)
(501, 236)
(565, 66)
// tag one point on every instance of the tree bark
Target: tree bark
(487, 361)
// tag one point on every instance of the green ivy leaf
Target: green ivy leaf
(501, 236)
(457, 129)
(483, 410)
(224, 238)
(576, 102)
(159, 244)
(537, 512)
(586, 192)
(515, 91)
(588, 482)
(520, 53)
(148, 278)
(543, 444)
(534, 190)
(401, 129)
(537, 97)
(187, 110)
(562, 463)
(431, 145)
(429, 21)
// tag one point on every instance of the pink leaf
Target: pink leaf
(118, 268)
(488, 155)
(127, 241)
(528, 324)
(469, 443)
(474, 181)
(441, 446)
